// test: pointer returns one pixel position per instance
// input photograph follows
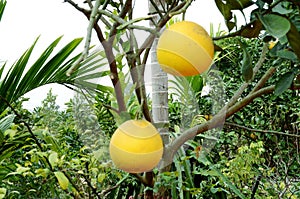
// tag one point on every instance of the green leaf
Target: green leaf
(246, 68)
(126, 46)
(62, 179)
(2, 7)
(224, 9)
(2, 192)
(10, 132)
(22, 169)
(287, 55)
(239, 4)
(230, 25)
(281, 10)
(53, 159)
(8, 88)
(49, 68)
(42, 172)
(293, 37)
(284, 83)
(6, 122)
(101, 177)
(276, 25)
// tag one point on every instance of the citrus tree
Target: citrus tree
(117, 31)
(264, 20)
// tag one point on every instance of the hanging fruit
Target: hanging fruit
(185, 49)
(136, 146)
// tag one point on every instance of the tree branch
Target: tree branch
(85, 52)
(255, 186)
(161, 23)
(137, 75)
(107, 45)
(126, 8)
(217, 121)
(94, 190)
(181, 8)
(77, 7)
(245, 84)
(264, 79)
(156, 8)
(260, 130)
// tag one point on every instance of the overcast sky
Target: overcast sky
(24, 20)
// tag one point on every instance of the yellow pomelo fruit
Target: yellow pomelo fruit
(185, 49)
(136, 146)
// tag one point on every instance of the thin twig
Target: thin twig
(150, 30)
(110, 15)
(161, 23)
(264, 79)
(182, 9)
(105, 191)
(89, 2)
(249, 98)
(94, 190)
(77, 7)
(242, 88)
(260, 130)
(255, 186)
(156, 8)
(72, 183)
(122, 14)
(137, 74)
(88, 39)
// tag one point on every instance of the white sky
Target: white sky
(24, 20)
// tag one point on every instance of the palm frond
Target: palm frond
(2, 6)
(49, 68)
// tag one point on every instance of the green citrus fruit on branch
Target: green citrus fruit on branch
(185, 49)
(136, 146)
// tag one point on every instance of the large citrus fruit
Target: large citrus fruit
(185, 49)
(136, 146)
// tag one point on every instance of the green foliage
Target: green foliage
(64, 153)
(239, 159)
(284, 83)
(58, 142)
(46, 70)
(276, 25)
(2, 7)
(279, 18)
(242, 168)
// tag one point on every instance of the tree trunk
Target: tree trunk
(160, 110)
